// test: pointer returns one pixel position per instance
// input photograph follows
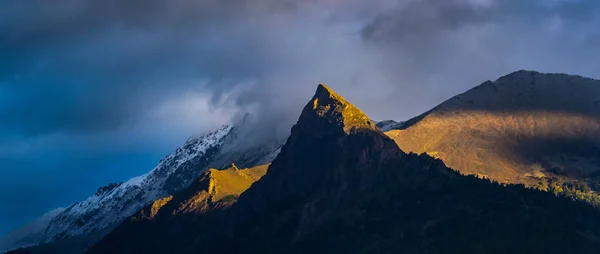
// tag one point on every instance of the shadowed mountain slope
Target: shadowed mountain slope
(542, 130)
(339, 185)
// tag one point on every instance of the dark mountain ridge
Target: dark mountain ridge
(340, 185)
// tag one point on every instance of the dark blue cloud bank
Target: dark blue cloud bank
(93, 92)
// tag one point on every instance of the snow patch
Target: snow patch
(388, 125)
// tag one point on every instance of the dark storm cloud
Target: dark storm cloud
(89, 66)
(429, 17)
(37, 23)
(95, 65)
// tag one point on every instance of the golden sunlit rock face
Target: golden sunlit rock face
(496, 144)
(214, 189)
(158, 204)
(531, 128)
(220, 188)
(329, 105)
(232, 181)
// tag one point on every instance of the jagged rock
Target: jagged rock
(105, 189)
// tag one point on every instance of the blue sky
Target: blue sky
(93, 92)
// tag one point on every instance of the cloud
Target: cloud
(89, 66)
(424, 18)
(96, 65)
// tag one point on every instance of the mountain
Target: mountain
(537, 129)
(542, 130)
(88, 220)
(340, 185)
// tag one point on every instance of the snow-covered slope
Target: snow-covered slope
(29, 235)
(101, 211)
(115, 202)
(388, 125)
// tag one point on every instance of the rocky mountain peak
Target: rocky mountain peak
(334, 148)
(332, 107)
